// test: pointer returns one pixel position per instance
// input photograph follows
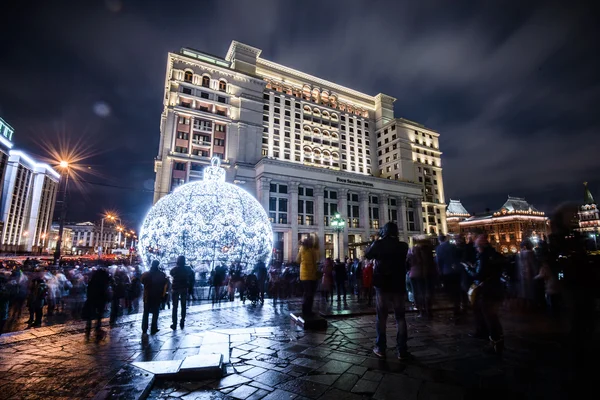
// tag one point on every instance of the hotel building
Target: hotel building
(305, 147)
(27, 198)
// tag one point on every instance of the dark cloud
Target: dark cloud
(512, 88)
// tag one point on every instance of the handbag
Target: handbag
(472, 292)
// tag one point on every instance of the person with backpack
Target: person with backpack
(488, 292)
(389, 279)
(183, 279)
(155, 285)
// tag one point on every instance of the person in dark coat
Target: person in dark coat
(183, 279)
(449, 271)
(389, 279)
(38, 293)
(487, 273)
(155, 284)
(97, 296)
(341, 276)
(260, 270)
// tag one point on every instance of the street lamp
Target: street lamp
(64, 165)
(111, 218)
(337, 222)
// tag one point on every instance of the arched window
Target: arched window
(307, 109)
(206, 81)
(334, 135)
(316, 131)
(188, 76)
(222, 86)
(334, 117)
(306, 128)
(316, 111)
(325, 114)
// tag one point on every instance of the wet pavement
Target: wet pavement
(268, 357)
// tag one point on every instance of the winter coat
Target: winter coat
(421, 261)
(487, 273)
(389, 273)
(155, 285)
(327, 282)
(367, 276)
(447, 259)
(183, 277)
(308, 258)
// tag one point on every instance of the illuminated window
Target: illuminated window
(222, 86)
(205, 81)
(188, 76)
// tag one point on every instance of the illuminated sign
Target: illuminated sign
(6, 131)
(353, 182)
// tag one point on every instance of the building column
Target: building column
(262, 193)
(418, 202)
(343, 210)
(383, 209)
(365, 222)
(443, 219)
(319, 192)
(293, 218)
(402, 217)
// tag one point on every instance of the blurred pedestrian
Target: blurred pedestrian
(389, 277)
(422, 276)
(260, 270)
(183, 279)
(341, 276)
(327, 279)
(367, 281)
(97, 296)
(487, 293)
(449, 271)
(155, 286)
(4, 300)
(37, 298)
(526, 271)
(308, 256)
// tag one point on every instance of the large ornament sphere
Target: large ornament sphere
(210, 222)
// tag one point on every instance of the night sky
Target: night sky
(513, 89)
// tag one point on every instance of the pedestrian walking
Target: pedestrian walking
(97, 296)
(389, 280)
(487, 293)
(526, 271)
(260, 270)
(308, 256)
(367, 282)
(36, 300)
(341, 276)
(449, 271)
(183, 279)
(422, 276)
(327, 280)
(155, 286)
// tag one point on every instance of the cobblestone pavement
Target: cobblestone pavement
(268, 357)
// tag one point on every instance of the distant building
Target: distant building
(86, 237)
(455, 213)
(50, 244)
(27, 197)
(589, 215)
(507, 227)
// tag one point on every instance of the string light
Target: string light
(209, 222)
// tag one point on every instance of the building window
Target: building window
(188, 76)
(206, 81)
(219, 128)
(179, 166)
(306, 212)
(219, 142)
(278, 210)
(222, 86)
(179, 149)
(186, 90)
(182, 135)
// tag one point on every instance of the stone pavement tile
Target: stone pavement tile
(335, 367)
(171, 343)
(259, 394)
(160, 367)
(190, 341)
(204, 395)
(261, 386)
(308, 362)
(373, 376)
(304, 388)
(213, 337)
(252, 372)
(263, 350)
(286, 354)
(323, 379)
(250, 356)
(434, 391)
(243, 392)
(280, 395)
(398, 387)
(242, 338)
(296, 348)
(216, 348)
(245, 347)
(239, 368)
(272, 378)
(346, 358)
(364, 386)
(231, 380)
(346, 382)
(237, 353)
(336, 394)
(317, 352)
(357, 370)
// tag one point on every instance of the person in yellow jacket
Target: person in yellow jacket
(308, 256)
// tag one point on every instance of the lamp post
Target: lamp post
(64, 166)
(337, 222)
(106, 216)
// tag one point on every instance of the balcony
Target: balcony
(201, 142)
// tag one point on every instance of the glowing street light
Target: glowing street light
(64, 165)
(110, 217)
(337, 222)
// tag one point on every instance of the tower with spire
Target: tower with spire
(589, 215)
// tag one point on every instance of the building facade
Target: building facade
(306, 148)
(455, 213)
(86, 237)
(507, 227)
(589, 215)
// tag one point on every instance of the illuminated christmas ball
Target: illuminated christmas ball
(210, 222)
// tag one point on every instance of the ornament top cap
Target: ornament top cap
(214, 172)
